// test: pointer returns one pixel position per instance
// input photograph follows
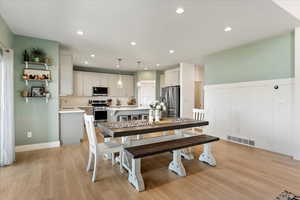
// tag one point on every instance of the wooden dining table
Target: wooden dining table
(126, 131)
(130, 128)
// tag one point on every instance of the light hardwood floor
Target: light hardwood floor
(241, 173)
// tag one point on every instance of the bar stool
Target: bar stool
(145, 117)
(123, 118)
(134, 117)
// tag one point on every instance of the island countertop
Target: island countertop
(70, 110)
(126, 108)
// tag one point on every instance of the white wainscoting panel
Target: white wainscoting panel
(252, 110)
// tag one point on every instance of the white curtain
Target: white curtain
(7, 130)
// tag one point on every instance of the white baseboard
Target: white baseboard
(31, 147)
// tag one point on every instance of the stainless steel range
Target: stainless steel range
(100, 110)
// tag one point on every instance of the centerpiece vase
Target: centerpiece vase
(157, 115)
(151, 115)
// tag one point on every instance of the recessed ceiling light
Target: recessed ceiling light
(171, 51)
(86, 62)
(227, 29)
(133, 43)
(93, 55)
(79, 32)
(145, 68)
(157, 65)
(179, 11)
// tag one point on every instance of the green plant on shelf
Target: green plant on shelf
(37, 55)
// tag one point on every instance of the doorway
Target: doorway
(146, 92)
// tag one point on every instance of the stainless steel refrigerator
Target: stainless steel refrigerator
(171, 97)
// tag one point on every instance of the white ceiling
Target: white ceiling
(110, 25)
(291, 6)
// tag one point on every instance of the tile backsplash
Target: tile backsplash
(84, 101)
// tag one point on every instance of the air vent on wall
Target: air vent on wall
(241, 140)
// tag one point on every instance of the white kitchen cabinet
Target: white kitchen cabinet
(99, 79)
(128, 85)
(85, 81)
(172, 77)
(112, 80)
(78, 83)
(89, 81)
(66, 75)
(103, 79)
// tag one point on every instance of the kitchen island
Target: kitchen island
(71, 125)
(115, 114)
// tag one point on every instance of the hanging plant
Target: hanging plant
(37, 55)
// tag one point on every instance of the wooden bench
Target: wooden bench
(175, 145)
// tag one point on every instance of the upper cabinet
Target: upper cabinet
(85, 81)
(113, 89)
(172, 77)
(66, 75)
(128, 85)
(78, 83)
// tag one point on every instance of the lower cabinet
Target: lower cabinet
(71, 128)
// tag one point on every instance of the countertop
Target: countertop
(126, 108)
(80, 108)
(70, 110)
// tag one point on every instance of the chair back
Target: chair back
(90, 130)
(198, 114)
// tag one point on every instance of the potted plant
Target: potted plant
(25, 56)
(37, 55)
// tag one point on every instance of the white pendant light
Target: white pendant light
(119, 83)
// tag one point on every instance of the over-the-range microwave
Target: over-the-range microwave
(100, 91)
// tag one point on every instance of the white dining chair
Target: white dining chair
(96, 149)
(198, 114)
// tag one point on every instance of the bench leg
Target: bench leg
(187, 153)
(176, 164)
(135, 176)
(207, 155)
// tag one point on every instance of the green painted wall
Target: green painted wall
(146, 75)
(6, 36)
(267, 59)
(36, 115)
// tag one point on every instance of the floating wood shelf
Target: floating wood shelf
(36, 63)
(27, 81)
(44, 97)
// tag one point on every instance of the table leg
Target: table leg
(176, 164)
(185, 153)
(125, 160)
(207, 155)
(135, 176)
(107, 156)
